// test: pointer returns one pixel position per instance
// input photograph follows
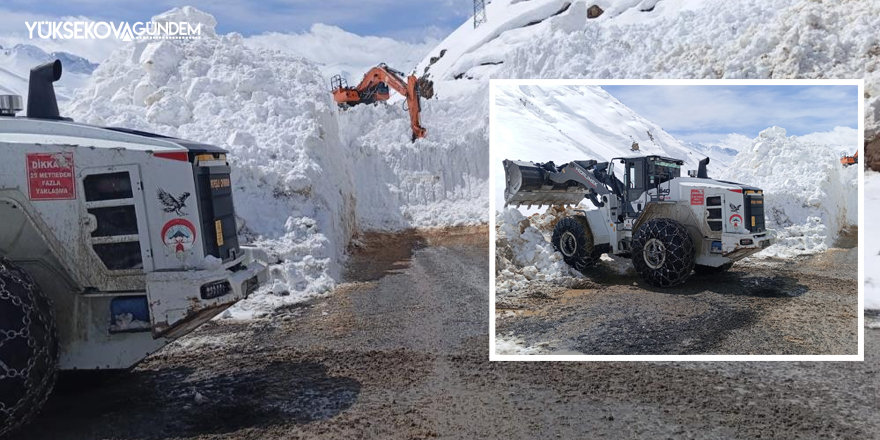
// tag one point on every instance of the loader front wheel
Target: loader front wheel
(28, 348)
(663, 252)
(708, 270)
(573, 239)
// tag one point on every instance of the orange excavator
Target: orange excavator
(375, 87)
(850, 160)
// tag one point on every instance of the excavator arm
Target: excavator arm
(375, 87)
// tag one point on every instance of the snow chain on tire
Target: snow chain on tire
(28, 347)
(573, 238)
(663, 252)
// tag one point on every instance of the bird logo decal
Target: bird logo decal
(173, 204)
(734, 208)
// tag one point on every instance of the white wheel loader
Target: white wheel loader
(667, 224)
(113, 242)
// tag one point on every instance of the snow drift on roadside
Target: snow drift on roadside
(272, 112)
(523, 253)
(809, 197)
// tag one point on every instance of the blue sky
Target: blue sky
(706, 113)
(402, 19)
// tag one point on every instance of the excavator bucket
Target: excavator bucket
(526, 184)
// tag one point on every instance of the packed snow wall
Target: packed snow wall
(809, 197)
(440, 180)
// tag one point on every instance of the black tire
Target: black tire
(28, 348)
(708, 270)
(573, 239)
(663, 252)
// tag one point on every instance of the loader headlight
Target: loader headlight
(746, 242)
(215, 289)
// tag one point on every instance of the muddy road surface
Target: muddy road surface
(803, 305)
(401, 352)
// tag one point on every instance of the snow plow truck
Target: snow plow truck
(667, 224)
(113, 243)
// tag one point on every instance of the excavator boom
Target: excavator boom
(376, 85)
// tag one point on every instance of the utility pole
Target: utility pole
(479, 12)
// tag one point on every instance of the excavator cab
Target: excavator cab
(850, 160)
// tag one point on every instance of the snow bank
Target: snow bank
(522, 251)
(809, 197)
(293, 185)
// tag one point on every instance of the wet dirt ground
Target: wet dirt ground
(804, 305)
(401, 352)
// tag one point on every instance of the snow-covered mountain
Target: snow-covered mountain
(565, 123)
(718, 153)
(17, 61)
(668, 39)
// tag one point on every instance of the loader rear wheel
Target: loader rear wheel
(663, 252)
(573, 239)
(28, 347)
(708, 270)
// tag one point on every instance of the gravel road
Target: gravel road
(401, 352)
(804, 305)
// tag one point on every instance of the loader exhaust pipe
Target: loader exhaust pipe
(701, 170)
(41, 102)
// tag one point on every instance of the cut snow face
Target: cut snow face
(440, 180)
(669, 39)
(566, 123)
(809, 197)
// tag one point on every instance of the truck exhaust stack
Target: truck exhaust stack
(41, 103)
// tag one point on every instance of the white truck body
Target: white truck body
(131, 235)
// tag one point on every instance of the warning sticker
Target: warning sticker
(697, 197)
(50, 176)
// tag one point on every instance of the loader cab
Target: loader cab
(643, 173)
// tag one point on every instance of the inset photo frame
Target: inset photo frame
(671, 220)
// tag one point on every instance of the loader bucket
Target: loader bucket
(525, 184)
